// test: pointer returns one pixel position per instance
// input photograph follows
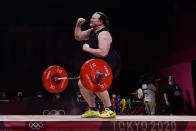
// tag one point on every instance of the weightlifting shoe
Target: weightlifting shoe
(90, 114)
(108, 113)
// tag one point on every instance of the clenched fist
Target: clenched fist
(85, 47)
(80, 21)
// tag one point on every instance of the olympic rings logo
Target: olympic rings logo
(36, 125)
(53, 112)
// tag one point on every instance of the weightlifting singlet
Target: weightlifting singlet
(113, 59)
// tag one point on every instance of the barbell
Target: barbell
(95, 74)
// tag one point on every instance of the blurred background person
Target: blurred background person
(149, 89)
(39, 96)
(174, 98)
(56, 98)
(4, 96)
(19, 96)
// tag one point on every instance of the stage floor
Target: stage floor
(78, 118)
(76, 123)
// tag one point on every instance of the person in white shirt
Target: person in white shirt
(149, 90)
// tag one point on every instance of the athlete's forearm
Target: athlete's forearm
(97, 52)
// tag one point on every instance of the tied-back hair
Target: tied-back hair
(104, 18)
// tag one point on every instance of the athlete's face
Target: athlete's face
(94, 21)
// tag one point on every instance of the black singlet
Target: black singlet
(113, 59)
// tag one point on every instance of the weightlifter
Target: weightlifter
(98, 45)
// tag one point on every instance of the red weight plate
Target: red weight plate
(88, 72)
(49, 79)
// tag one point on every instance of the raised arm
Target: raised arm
(78, 33)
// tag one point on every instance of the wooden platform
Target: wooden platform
(76, 123)
(78, 118)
